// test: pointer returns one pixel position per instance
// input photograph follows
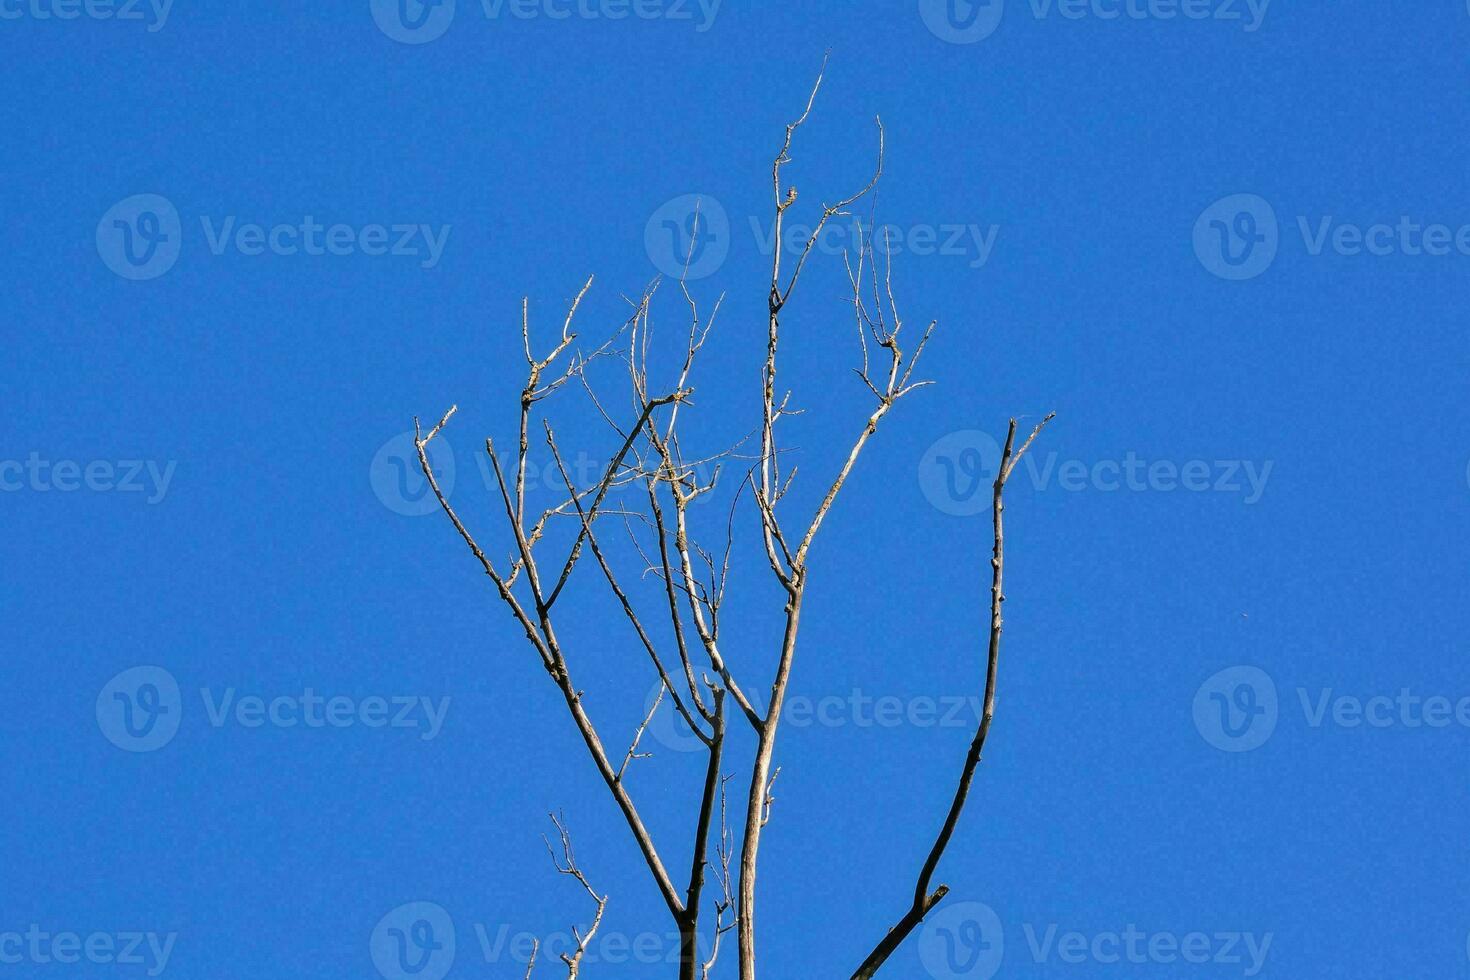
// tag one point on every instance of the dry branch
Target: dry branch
(650, 486)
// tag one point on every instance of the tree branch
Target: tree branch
(925, 900)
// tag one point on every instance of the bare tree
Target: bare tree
(648, 488)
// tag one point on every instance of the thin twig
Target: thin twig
(924, 900)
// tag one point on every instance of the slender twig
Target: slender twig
(573, 960)
(633, 752)
(924, 900)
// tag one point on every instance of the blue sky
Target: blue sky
(1224, 241)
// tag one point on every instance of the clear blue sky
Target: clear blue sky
(1085, 175)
